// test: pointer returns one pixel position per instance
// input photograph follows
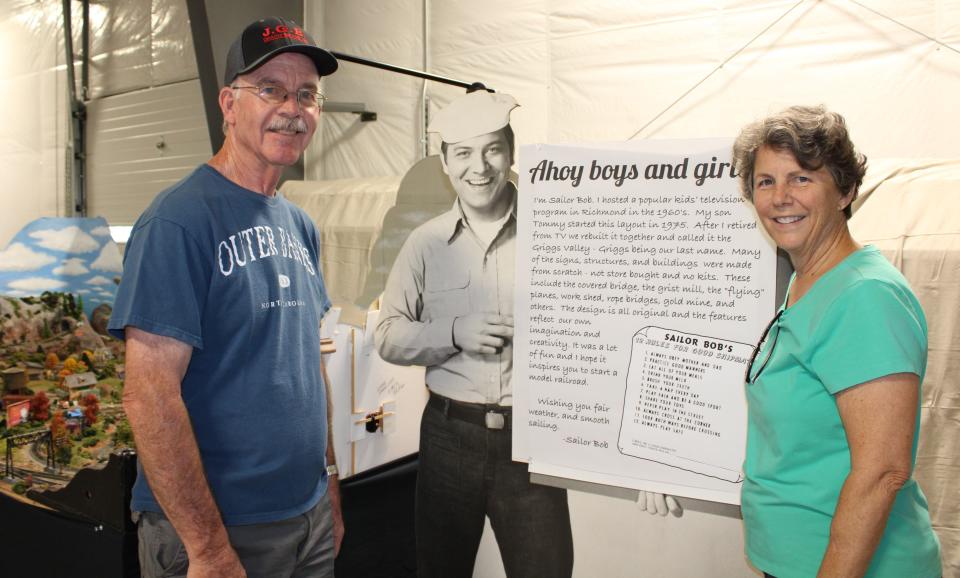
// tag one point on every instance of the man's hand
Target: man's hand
(659, 504)
(333, 490)
(482, 332)
(223, 564)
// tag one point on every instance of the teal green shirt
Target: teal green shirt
(858, 322)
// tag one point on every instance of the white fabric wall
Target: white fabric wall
(33, 117)
(603, 70)
(134, 44)
(609, 70)
(384, 31)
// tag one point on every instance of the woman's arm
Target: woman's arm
(879, 418)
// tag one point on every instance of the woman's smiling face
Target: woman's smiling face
(800, 209)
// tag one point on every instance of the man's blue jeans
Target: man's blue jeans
(466, 473)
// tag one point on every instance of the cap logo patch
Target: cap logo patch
(273, 34)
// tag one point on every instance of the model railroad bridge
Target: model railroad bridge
(26, 438)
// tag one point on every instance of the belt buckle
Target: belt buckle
(494, 420)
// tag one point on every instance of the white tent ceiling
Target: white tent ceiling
(614, 70)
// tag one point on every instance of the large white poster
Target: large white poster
(643, 283)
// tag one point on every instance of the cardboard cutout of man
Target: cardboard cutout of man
(448, 305)
(220, 304)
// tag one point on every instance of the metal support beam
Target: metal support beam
(78, 122)
(351, 107)
(207, 70)
(85, 58)
(470, 86)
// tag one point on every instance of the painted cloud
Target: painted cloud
(109, 259)
(72, 267)
(99, 280)
(37, 284)
(19, 257)
(71, 239)
(62, 254)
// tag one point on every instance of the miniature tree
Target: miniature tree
(49, 299)
(123, 435)
(70, 305)
(70, 364)
(91, 408)
(60, 437)
(87, 359)
(62, 374)
(52, 361)
(40, 407)
(73, 365)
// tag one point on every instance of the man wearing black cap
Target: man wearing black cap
(448, 305)
(220, 305)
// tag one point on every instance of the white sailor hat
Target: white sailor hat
(473, 114)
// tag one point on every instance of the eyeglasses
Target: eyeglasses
(756, 350)
(306, 97)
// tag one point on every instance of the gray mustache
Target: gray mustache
(288, 124)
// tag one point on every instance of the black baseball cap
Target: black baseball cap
(269, 37)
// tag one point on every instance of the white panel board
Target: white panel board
(140, 143)
(642, 284)
(401, 389)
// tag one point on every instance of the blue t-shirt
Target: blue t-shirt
(860, 321)
(235, 275)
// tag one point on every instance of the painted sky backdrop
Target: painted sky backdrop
(58, 254)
